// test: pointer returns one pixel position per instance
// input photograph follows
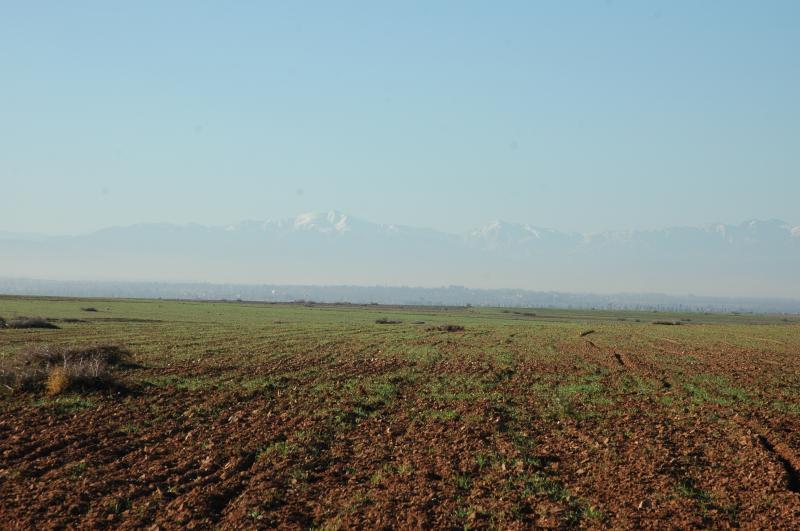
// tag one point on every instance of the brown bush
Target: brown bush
(58, 381)
(447, 328)
(30, 322)
(61, 368)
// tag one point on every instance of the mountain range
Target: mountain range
(752, 259)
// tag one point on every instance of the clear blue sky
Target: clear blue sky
(573, 115)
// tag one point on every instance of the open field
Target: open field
(256, 415)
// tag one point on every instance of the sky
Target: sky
(582, 116)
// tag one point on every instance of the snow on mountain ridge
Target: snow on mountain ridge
(331, 221)
(335, 223)
(502, 230)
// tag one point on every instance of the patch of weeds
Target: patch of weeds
(785, 407)
(588, 390)
(538, 483)
(636, 384)
(592, 513)
(384, 391)
(119, 505)
(323, 388)
(482, 460)
(714, 389)
(265, 385)
(279, 449)
(445, 414)
(697, 394)
(76, 470)
(362, 498)
(404, 468)
(298, 475)
(460, 388)
(462, 481)
(192, 383)
(347, 418)
(129, 429)
(686, 488)
(585, 389)
(160, 381)
(461, 512)
(422, 354)
(202, 411)
(65, 404)
(575, 398)
(665, 400)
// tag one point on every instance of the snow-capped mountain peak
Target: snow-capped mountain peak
(331, 221)
(763, 257)
(502, 230)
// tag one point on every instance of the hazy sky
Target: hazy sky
(574, 115)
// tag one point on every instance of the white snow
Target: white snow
(332, 221)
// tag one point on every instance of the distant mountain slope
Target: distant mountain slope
(755, 258)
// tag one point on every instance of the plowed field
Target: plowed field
(239, 415)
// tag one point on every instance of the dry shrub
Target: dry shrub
(17, 375)
(60, 368)
(384, 320)
(58, 381)
(89, 309)
(447, 328)
(667, 323)
(2, 323)
(30, 322)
